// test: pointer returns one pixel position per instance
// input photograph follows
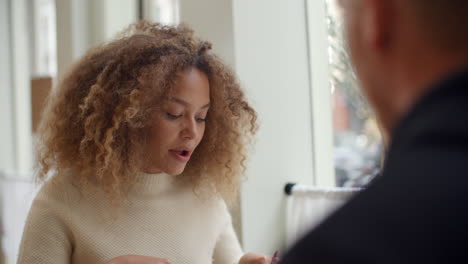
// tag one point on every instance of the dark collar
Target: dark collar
(443, 107)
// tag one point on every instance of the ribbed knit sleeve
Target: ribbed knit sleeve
(228, 250)
(46, 238)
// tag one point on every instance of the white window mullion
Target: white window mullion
(322, 130)
(7, 135)
(21, 83)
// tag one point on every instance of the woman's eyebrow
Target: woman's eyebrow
(184, 103)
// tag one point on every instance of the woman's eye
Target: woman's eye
(173, 117)
(201, 119)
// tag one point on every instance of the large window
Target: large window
(357, 145)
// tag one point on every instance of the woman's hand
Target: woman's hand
(254, 258)
(136, 259)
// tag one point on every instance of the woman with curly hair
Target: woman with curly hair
(141, 146)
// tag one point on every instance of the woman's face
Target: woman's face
(179, 126)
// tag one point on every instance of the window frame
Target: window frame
(320, 93)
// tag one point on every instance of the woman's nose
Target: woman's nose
(190, 129)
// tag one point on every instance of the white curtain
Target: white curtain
(307, 206)
(17, 192)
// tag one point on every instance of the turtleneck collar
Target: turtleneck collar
(154, 183)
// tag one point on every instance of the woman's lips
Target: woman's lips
(181, 155)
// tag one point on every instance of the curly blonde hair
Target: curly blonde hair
(97, 120)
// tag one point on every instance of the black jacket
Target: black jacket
(417, 210)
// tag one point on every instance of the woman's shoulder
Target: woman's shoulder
(58, 188)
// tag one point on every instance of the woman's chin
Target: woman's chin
(175, 171)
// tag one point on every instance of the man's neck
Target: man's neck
(418, 76)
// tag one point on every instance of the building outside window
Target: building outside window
(357, 144)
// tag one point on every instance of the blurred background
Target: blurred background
(316, 128)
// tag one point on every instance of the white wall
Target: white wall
(107, 17)
(21, 85)
(7, 139)
(82, 24)
(72, 32)
(272, 62)
(212, 20)
(118, 15)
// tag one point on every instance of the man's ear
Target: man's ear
(378, 23)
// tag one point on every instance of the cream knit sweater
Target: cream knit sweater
(162, 218)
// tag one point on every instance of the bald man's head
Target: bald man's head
(400, 47)
(445, 22)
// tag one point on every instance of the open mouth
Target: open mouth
(183, 154)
